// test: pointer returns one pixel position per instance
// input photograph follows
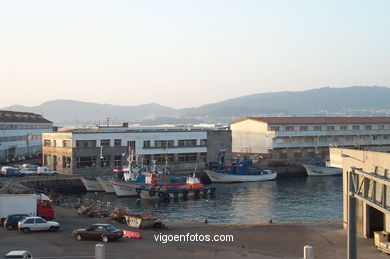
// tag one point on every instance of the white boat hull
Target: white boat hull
(106, 184)
(230, 178)
(322, 170)
(92, 185)
(122, 188)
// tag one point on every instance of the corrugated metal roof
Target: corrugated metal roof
(11, 116)
(317, 120)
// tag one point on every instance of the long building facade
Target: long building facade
(20, 134)
(98, 150)
(299, 138)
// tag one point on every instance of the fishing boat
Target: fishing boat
(105, 182)
(92, 185)
(313, 170)
(172, 186)
(239, 171)
(133, 177)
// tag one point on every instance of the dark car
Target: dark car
(11, 222)
(104, 232)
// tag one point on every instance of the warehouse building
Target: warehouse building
(300, 138)
(366, 178)
(20, 134)
(98, 150)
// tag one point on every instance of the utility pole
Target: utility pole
(352, 247)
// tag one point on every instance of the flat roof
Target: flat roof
(91, 130)
(11, 116)
(317, 120)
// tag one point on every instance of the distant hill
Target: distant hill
(349, 101)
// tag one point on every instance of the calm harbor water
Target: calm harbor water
(290, 200)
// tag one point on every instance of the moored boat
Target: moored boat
(313, 170)
(106, 184)
(224, 176)
(239, 171)
(173, 186)
(92, 185)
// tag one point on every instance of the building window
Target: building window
(66, 161)
(146, 143)
(323, 139)
(309, 139)
(381, 127)
(203, 142)
(66, 143)
(187, 157)
(47, 160)
(85, 143)
(348, 138)
(105, 143)
(317, 128)
(289, 128)
(187, 143)
(160, 143)
(117, 142)
(146, 159)
(355, 127)
(161, 158)
(329, 127)
(118, 161)
(54, 143)
(303, 128)
(46, 142)
(203, 157)
(86, 162)
(274, 128)
(375, 137)
(105, 161)
(131, 145)
(368, 127)
(343, 127)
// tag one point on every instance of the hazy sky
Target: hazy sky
(187, 53)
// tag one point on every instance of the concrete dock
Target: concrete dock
(250, 241)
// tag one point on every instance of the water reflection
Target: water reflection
(289, 200)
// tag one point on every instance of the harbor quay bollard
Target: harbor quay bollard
(308, 252)
(100, 251)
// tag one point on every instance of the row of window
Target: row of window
(20, 138)
(117, 160)
(23, 126)
(131, 144)
(331, 139)
(328, 128)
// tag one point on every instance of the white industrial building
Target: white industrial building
(298, 138)
(20, 134)
(96, 150)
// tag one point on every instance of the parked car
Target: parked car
(45, 171)
(19, 254)
(30, 166)
(27, 171)
(10, 171)
(11, 221)
(104, 232)
(37, 224)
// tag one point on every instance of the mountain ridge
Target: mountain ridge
(326, 101)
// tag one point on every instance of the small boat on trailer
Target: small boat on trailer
(92, 185)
